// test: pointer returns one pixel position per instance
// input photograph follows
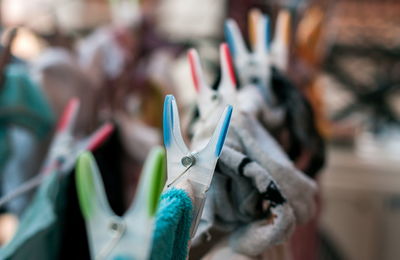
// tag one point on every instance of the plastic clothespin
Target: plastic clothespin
(64, 149)
(252, 67)
(210, 100)
(111, 236)
(281, 43)
(196, 167)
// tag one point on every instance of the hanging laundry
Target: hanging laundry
(284, 110)
(39, 230)
(63, 151)
(26, 117)
(236, 166)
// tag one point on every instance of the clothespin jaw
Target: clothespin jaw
(110, 235)
(196, 167)
(91, 192)
(63, 139)
(68, 118)
(252, 67)
(309, 35)
(151, 184)
(281, 43)
(64, 145)
(209, 100)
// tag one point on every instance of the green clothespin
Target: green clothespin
(112, 236)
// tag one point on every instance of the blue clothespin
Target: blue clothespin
(253, 67)
(196, 167)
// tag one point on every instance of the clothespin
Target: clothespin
(280, 45)
(111, 236)
(64, 149)
(196, 167)
(208, 99)
(309, 36)
(252, 67)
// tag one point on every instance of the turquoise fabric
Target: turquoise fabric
(172, 227)
(38, 234)
(22, 104)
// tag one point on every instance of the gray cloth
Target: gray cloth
(234, 203)
(299, 189)
(241, 185)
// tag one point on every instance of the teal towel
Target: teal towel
(23, 103)
(172, 227)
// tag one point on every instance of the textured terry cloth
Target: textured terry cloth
(172, 226)
(37, 236)
(22, 106)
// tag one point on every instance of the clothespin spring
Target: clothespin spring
(118, 227)
(187, 161)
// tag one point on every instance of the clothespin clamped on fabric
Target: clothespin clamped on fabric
(209, 99)
(64, 149)
(196, 167)
(252, 67)
(112, 236)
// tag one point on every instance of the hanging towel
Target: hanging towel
(37, 236)
(23, 104)
(173, 221)
(25, 120)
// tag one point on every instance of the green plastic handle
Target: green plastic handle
(155, 167)
(85, 183)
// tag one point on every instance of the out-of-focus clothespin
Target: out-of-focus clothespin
(280, 46)
(209, 99)
(129, 236)
(252, 67)
(64, 149)
(196, 167)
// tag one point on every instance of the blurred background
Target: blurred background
(120, 57)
